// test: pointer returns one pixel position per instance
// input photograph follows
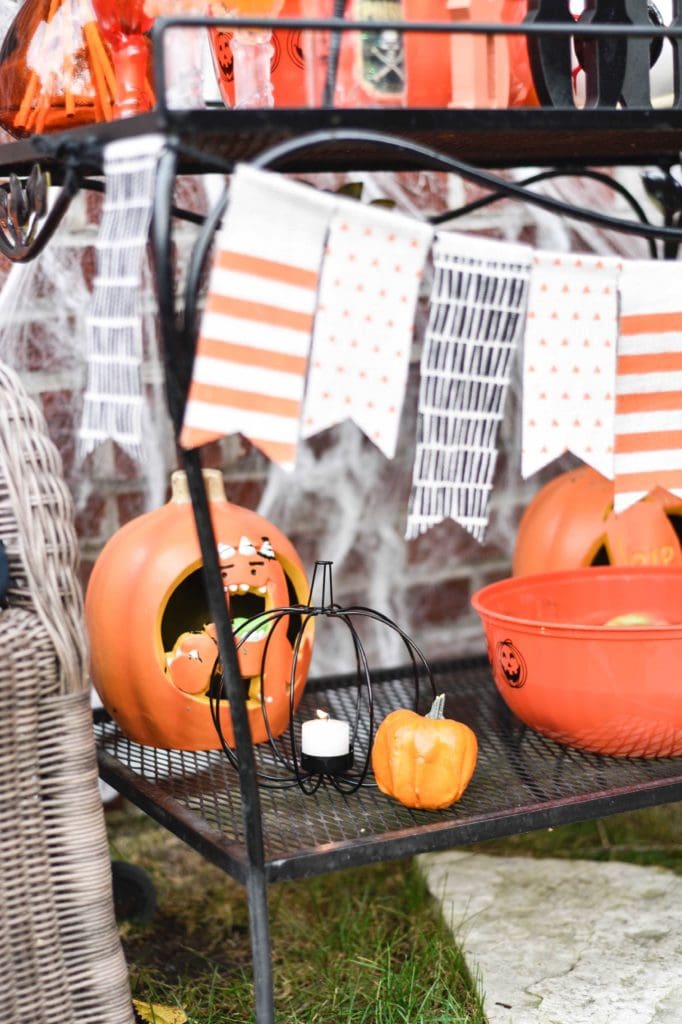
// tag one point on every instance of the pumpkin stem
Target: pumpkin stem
(437, 707)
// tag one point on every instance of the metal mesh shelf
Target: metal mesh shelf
(522, 782)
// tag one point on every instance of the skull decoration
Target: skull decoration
(154, 653)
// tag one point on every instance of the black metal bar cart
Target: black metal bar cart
(523, 781)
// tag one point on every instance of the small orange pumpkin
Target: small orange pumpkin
(424, 761)
(570, 523)
(153, 651)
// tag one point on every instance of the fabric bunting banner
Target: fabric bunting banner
(360, 354)
(252, 354)
(476, 319)
(113, 403)
(648, 430)
(569, 361)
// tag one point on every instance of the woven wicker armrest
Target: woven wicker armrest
(61, 961)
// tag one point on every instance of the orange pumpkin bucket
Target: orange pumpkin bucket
(154, 655)
(286, 65)
(589, 657)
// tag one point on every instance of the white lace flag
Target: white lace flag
(648, 435)
(569, 360)
(113, 402)
(476, 319)
(360, 354)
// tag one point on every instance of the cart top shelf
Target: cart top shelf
(483, 138)
(522, 782)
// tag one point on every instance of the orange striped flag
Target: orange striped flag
(648, 435)
(252, 353)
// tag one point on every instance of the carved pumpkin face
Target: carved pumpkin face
(570, 522)
(254, 582)
(154, 653)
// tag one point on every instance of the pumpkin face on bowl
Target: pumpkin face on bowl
(154, 653)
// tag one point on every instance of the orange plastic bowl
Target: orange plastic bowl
(609, 689)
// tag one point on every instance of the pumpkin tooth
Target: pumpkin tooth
(244, 587)
(233, 588)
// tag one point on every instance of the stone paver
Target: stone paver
(565, 942)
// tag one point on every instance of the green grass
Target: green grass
(361, 946)
(652, 836)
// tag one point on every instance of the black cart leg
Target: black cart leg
(259, 924)
(177, 350)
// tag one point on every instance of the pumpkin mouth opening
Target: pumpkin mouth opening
(246, 605)
(245, 611)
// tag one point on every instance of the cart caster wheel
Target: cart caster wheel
(134, 893)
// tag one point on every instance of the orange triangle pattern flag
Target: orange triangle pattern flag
(648, 432)
(369, 285)
(569, 360)
(252, 353)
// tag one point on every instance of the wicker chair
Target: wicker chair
(61, 960)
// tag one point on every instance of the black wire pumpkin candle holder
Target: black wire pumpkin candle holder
(296, 767)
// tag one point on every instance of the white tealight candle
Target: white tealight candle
(325, 737)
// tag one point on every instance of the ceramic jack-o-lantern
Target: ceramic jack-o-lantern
(154, 652)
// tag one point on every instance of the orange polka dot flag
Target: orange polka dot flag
(372, 271)
(648, 431)
(252, 353)
(569, 360)
(476, 319)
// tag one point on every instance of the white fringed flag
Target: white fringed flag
(369, 286)
(252, 353)
(113, 403)
(648, 433)
(476, 319)
(569, 361)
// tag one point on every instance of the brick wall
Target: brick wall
(347, 502)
